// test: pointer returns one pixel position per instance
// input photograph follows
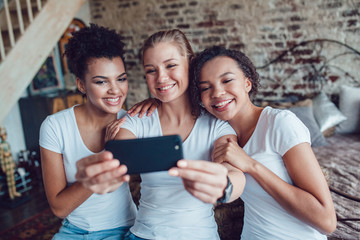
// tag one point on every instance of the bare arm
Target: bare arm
(62, 199)
(309, 199)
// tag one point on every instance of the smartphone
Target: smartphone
(145, 155)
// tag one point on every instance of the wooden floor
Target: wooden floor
(35, 203)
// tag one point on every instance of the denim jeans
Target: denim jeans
(130, 236)
(70, 231)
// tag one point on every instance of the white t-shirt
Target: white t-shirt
(276, 132)
(59, 133)
(166, 209)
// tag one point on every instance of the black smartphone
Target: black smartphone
(143, 155)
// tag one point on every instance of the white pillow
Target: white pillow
(326, 113)
(349, 105)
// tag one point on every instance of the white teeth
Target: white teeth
(112, 99)
(222, 103)
(166, 88)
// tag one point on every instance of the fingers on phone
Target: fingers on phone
(174, 172)
(112, 176)
(86, 162)
(99, 168)
(107, 181)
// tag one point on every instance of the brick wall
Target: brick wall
(262, 29)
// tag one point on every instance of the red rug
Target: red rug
(42, 226)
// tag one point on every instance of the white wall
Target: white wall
(84, 13)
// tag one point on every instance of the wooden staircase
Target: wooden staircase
(25, 44)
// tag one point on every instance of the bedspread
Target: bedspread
(340, 161)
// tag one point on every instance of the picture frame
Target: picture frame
(75, 25)
(49, 78)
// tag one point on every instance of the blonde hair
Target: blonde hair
(172, 36)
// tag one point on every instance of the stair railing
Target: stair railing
(10, 29)
(20, 63)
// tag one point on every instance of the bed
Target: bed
(340, 161)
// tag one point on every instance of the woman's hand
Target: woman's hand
(148, 105)
(233, 154)
(101, 173)
(113, 128)
(203, 179)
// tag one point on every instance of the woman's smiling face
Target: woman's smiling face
(166, 71)
(224, 87)
(105, 84)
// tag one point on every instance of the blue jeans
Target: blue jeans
(70, 231)
(130, 236)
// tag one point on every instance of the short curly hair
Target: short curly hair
(92, 42)
(208, 54)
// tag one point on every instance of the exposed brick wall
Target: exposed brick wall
(261, 29)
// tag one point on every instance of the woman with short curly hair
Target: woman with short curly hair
(95, 56)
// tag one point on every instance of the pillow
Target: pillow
(329, 132)
(349, 105)
(327, 115)
(306, 115)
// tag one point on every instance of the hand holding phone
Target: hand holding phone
(144, 155)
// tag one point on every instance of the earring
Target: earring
(81, 90)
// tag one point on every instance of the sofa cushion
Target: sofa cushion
(326, 113)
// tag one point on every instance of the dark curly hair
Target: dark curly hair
(92, 42)
(208, 54)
